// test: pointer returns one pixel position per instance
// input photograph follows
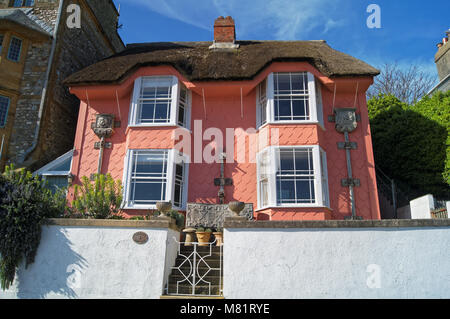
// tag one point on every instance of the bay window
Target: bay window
(293, 176)
(152, 176)
(160, 100)
(289, 97)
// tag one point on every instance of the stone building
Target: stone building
(38, 49)
(442, 60)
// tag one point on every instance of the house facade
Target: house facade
(38, 50)
(214, 122)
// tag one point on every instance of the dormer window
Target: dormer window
(290, 97)
(160, 101)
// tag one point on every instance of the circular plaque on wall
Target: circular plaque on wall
(140, 238)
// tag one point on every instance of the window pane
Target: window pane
(283, 109)
(162, 112)
(154, 104)
(4, 105)
(63, 167)
(148, 177)
(282, 83)
(54, 183)
(291, 97)
(1, 42)
(295, 177)
(299, 109)
(14, 49)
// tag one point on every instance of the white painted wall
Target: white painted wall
(337, 263)
(421, 207)
(96, 262)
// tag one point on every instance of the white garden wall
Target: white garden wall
(98, 260)
(380, 259)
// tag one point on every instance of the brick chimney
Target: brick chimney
(224, 34)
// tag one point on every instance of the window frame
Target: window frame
(8, 105)
(176, 87)
(314, 101)
(23, 3)
(174, 157)
(321, 185)
(10, 46)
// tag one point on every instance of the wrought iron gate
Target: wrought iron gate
(198, 270)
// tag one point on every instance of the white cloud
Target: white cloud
(283, 19)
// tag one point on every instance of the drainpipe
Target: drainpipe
(44, 90)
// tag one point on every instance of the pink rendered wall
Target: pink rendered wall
(223, 110)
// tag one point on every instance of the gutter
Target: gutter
(44, 90)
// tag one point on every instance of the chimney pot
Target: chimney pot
(224, 30)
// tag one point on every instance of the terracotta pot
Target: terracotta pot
(219, 238)
(236, 207)
(203, 238)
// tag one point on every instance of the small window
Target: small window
(4, 106)
(262, 103)
(14, 49)
(21, 3)
(1, 42)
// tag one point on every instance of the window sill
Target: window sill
(293, 123)
(149, 207)
(294, 206)
(162, 125)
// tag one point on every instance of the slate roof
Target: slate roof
(199, 63)
(25, 18)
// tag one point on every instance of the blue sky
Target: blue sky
(409, 30)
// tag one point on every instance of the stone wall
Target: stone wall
(337, 259)
(74, 50)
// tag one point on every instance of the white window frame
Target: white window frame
(314, 98)
(174, 105)
(321, 189)
(174, 157)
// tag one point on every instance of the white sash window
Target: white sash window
(289, 97)
(152, 176)
(292, 176)
(160, 101)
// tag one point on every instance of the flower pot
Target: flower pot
(219, 238)
(203, 238)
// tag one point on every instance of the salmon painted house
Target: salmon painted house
(280, 125)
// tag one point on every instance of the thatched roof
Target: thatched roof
(199, 63)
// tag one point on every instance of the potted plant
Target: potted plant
(203, 236)
(218, 234)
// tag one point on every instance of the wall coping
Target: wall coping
(162, 222)
(391, 223)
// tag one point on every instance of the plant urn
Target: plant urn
(164, 207)
(190, 236)
(219, 238)
(236, 208)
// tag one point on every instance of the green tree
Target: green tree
(411, 142)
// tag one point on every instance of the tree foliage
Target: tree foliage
(25, 202)
(408, 85)
(411, 142)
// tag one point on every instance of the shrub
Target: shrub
(25, 203)
(411, 142)
(100, 199)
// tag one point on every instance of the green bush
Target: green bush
(411, 142)
(25, 202)
(100, 199)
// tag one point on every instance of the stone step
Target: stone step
(213, 279)
(211, 262)
(199, 289)
(201, 271)
(201, 248)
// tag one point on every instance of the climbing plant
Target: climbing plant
(25, 202)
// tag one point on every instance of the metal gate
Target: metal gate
(197, 271)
